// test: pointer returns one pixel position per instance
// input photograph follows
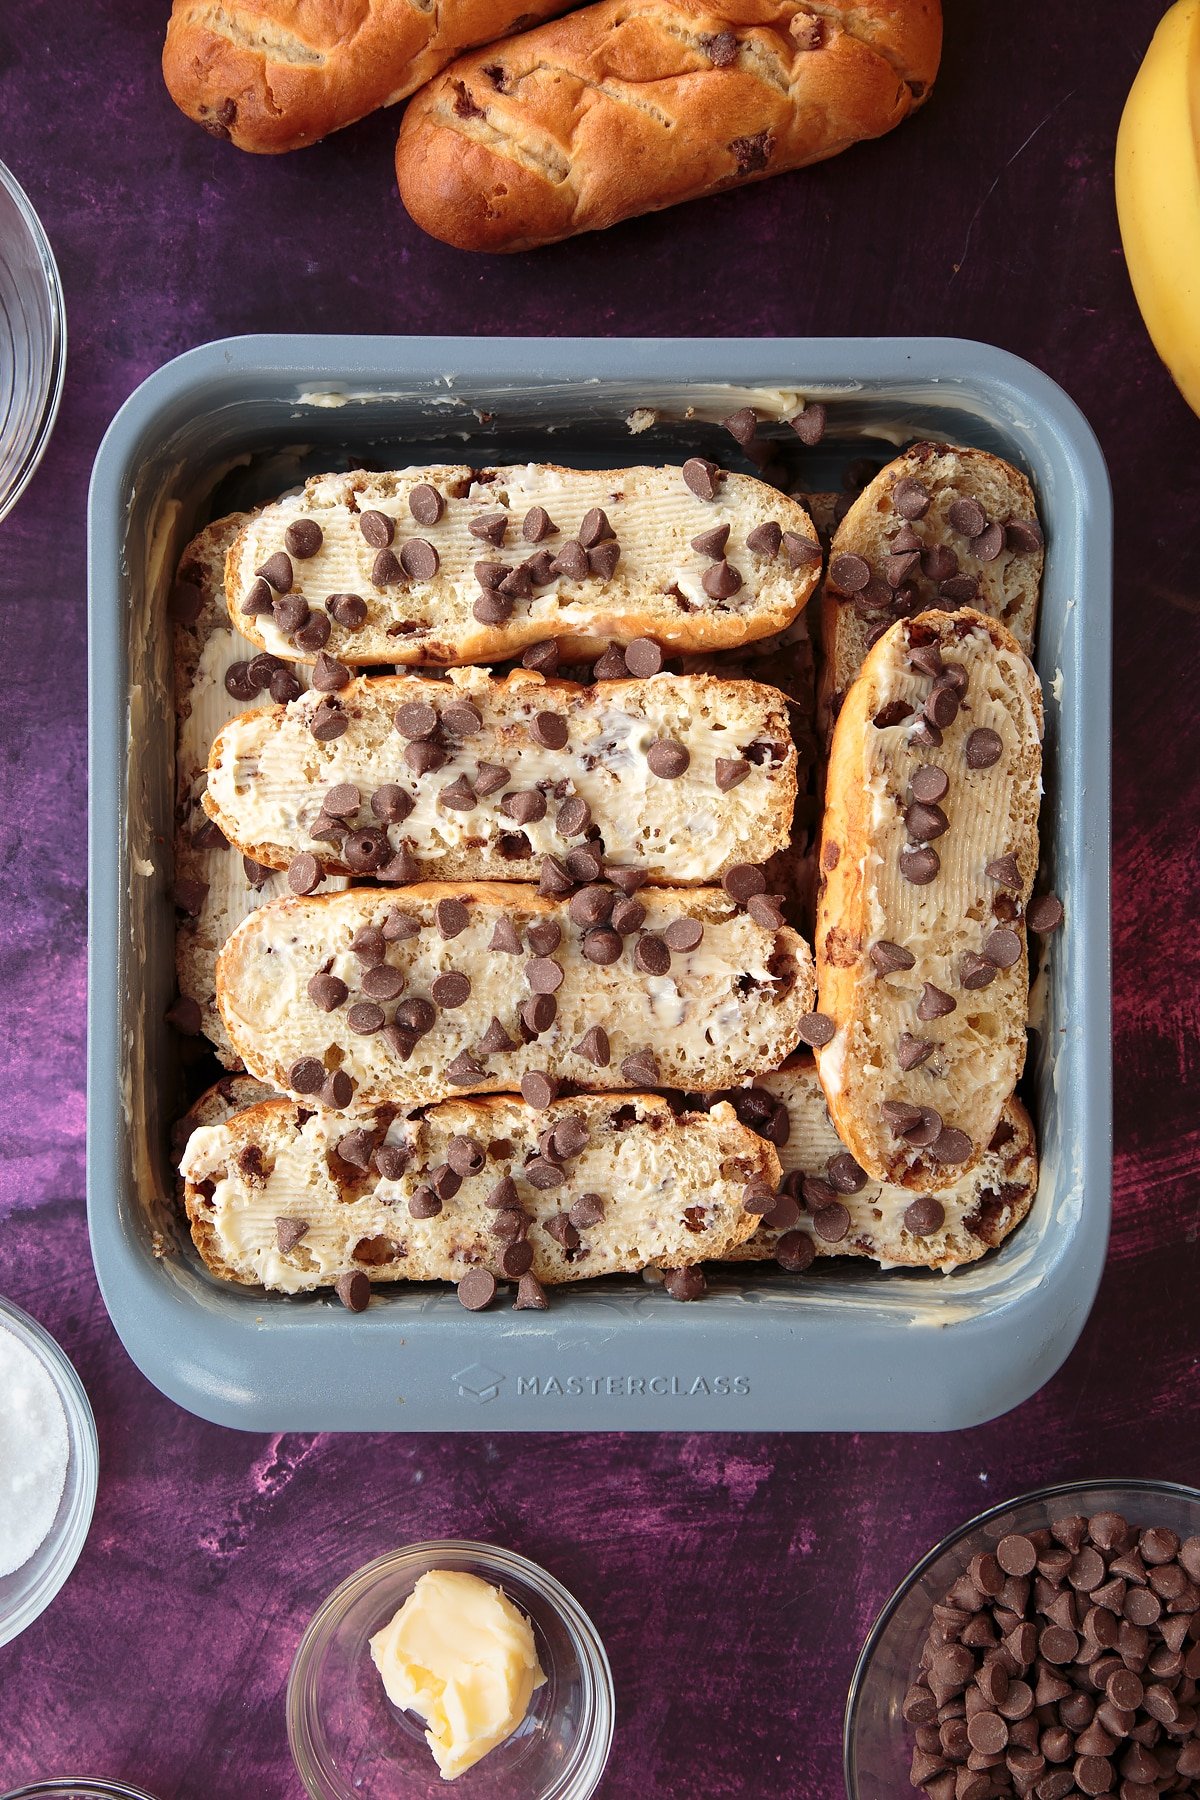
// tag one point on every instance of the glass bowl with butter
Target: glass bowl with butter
(408, 1669)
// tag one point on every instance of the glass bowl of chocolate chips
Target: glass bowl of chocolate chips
(1050, 1649)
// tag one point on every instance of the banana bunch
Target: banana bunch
(1158, 193)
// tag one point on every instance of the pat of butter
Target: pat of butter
(461, 1655)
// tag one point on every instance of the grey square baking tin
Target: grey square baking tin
(851, 1348)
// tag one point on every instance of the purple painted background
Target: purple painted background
(732, 1577)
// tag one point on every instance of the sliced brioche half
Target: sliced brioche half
(941, 526)
(625, 565)
(290, 1199)
(828, 1198)
(928, 853)
(441, 988)
(677, 776)
(213, 891)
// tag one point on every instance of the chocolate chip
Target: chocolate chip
(967, 517)
(640, 1069)
(911, 498)
(495, 1039)
(730, 772)
(602, 947)
(353, 1289)
(900, 1116)
(365, 851)
(403, 866)
(929, 784)
(256, 873)
(327, 992)
(988, 545)
(628, 880)
(304, 873)
(911, 1051)
(651, 955)
(329, 676)
(850, 573)
(889, 958)
(477, 1290)
(423, 758)
(802, 552)
(492, 609)
(643, 658)
(277, 571)
(524, 805)
(544, 975)
(758, 1197)
(419, 560)
(426, 504)
(306, 1076)
(415, 720)
(938, 563)
(538, 1089)
(795, 1251)
(386, 569)
(544, 936)
(571, 561)
(924, 823)
(314, 633)
(816, 1029)
(743, 880)
(680, 934)
(256, 603)
(1004, 871)
(975, 971)
(549, 729)
(1002, 948)
(949, 1146)
(920, 866)
(1044, 914)
(338, 1090)
(593, 1046)
(347, 610)
(595, 528)
(846, 1176)
(684, 1284)
(963, 590)
(809, 425)
(667, 759)
(464, 1071)
(342, 801)
(934, 1004)
(941, 706)
(924, 1216)
(450, 990)
(765, 539)
(721, 581)
(531, 1295)
(517, 584)
(722, 53)
(553, 879)
(1023, 536)
(831, 1222)
(291, 613)
(240, 683)
(377, 528)
(603, 560)
(492, 528)
(383, 982)
(365, 1018)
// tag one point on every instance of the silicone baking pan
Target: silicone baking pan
(845, 1348)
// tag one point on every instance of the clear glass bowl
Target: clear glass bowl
(29, 1590)
(348, 1739)
(33, 340)
(876, 1741)
(86, 1787)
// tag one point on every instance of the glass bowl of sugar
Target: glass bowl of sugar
(49, 1464)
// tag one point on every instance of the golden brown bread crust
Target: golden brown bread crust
(618, 110)
(272, 75)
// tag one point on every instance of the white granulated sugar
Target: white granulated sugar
(33, 1452)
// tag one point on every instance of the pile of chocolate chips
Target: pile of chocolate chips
(1065, 1662)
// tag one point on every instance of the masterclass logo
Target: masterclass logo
(479, 1384)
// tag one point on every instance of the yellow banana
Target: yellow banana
(1158, 193)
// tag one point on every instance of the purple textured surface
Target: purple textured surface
(732, 1577)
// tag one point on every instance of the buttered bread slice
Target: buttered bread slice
(291, 1199)
(827, 1205)
(943, 525)
(678, 776)
(214, 887)
(451, 565)
(928, 854)
(371, 996)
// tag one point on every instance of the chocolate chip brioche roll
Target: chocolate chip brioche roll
(370, 997)
(474, 778)
(619, 110)
(448, 565)
(286, 1198)
(928, 854)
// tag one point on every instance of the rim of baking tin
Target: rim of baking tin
(55, 370)
(1055, 1490)
(87, 1787)
(67, 1535)
(582, 1775)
